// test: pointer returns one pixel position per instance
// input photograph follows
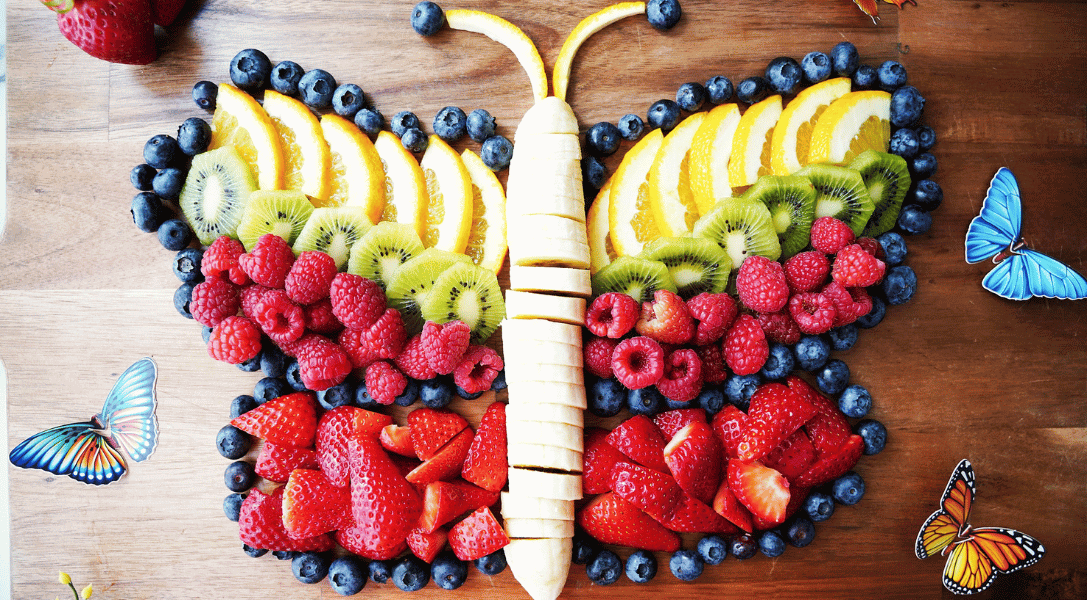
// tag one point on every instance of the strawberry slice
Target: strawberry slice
(335, 428)
(432, 428)
(289, 420)
(775, 413)
(444, 501)
(652, 491)
(486, 463)
(832, 465)
(828, 429)
(164, 12)
(694, 516)
(694, 459)
(447, 463)
(385, 506)
(797, 496)
(312, 505)
(427, 545)
(764, 491)
(612, 520)
(726, 505)
(357, 539)
(397, 438)
(729, 425)
(640, 440)
(276, 462)
(599, 459)
(260, 525)
(671, 421)
(792, 457)
(479, 534)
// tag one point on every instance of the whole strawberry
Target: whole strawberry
(118, 31)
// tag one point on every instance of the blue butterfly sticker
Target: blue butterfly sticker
(1023, 273)
(91, 451)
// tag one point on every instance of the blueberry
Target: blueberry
(891, 75)
(845, 58)
(436, 393)
(833, 377)
(193, 136)
(605, 568)
(779, 363)
(186, 265)
(141, 177)
(603, 139)
(241, 405)
(874, 435)
(496, 152)
(448, 571)
(641, 566)
(928, 195)
(168, 182)
(239, 476)
(285, 77)
(771, 544)
(691, 96)
(752, 90)
(927, 138)
(270, 387)
(316, 88)
(380, 571)
(848, 489)
(409, 395)
(174, 234)
(631, 126)
(842, 338)
(905, 143)
(309, 567)
(784, 75)
(285, 554)
(250, 69)
(719, 89)
(451, 123)
(894, 248)
(363, 399)
(232, 506)
(585, 548)
(812, 352)
(251, 365)
(493, 563)
(739, 388)
(819, 506)
(686, 565)
(342, 394)
(864, 77)
(415, 140)
(369, 121)
(594, 172)
(923, 166)
(253, 552)
(480, 125)
(147, 211)
(273, 362)
(801, 531)
(427, 18)
(874, 316)
(205, 331)
(712, 549)
(711, 400)
(204, 94)
(499, 382)
(411, 574)
(670, 404)
(347, 575)
(160, 150)
(403, 121)
(465, 394)
(348, 100)
(914, 220)
(816, 67)
(607, 397)
(663, 14)
(743, 546)
(899, 285)
(233, 443)
(855, 401)
(294, 378)
(663, 114)
(907, 104)
(645, 401)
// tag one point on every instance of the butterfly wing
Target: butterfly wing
(1010, 278)
(941, 528)
(1050, 278)
(998, 225)
(75, 450)
(975, 562)
(129, 411)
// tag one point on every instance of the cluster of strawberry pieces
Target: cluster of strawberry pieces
(118, 31)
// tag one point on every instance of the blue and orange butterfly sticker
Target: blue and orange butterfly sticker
(975, 555)
(91, 451)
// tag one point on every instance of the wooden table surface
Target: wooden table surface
(956, 373)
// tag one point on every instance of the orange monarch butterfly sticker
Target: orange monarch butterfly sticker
(975, 555)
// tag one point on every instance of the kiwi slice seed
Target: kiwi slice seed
(742, 228)
(696, 265)
(466, 292)
(791, 201)
(215, 192)
(636, 277)
(841, 194)
(413, 281)
(333, 231)
(282, 212)
(888, 179)
(379, 254)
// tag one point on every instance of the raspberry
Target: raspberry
(268, 262)
(761, 284)
(278, 317)
(829, 235)
(806, 271)
(853, 267)
(221, 260)
(234, 340)
(445, 344)
(612, 315)
(682, 380)
(412, 360)
(666, 319)
(745, 346)
(597, 352)
(322, 363)
(713, 363)
(294, 348)
(637, 362)
(872, 247)
(384, 339)
(384, 382)
(862, 302)
(780, 327)
(844, 308)
(310, 277)
(249, 296)
(214, 300)
(319, 318)
(814, 313)
(356, 301)
(477, 369)
(714, 313)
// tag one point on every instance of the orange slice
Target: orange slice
(710, 151)
(304, 148)
(751, 146)
(447, 214)
(405, 186)
(792, 135)
(240, 122)
(854, 123)
(356, 175)
(487, 234)
(630, 218)
(670, 196)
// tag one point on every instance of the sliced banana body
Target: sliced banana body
(556, 280)
(557, 486)
(547, 331)
(554, 392)
(521, 506)
(530, 305)
(550, 413)
(538, 528)
(542, 433)
(544, 457)
(544, 565)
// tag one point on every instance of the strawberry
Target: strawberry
(599, 459)
(335, 428)
(118, 31)
(432, 428)
(357, 539)
(163, 12)
(694, 516)
(653, 492)
(776, 412)
(828, 429)
(447, 463)
(729, 426)
(385, 506)
(764, 491)
(792, 457)
(612, 520)
(397, 438)
(260, 525)
(486, 464)
(797, 496)
(726, 505)
(671, 421)
(276, 462)
(289, 420)
(833, 464)
(478, 535)
(312, 505)
(427, 545)
(640, 440)
(694, 459)
(443, 501)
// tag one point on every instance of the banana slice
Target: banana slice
(530, 507)
(549, 115)
(528, 203)
(544, 457)
(545, 331)
(559, 435)
(558, 280)
(545, 352)
(541, 565)
(551, 413)
(562, 146)
(553, 392)
(530, 305)
(548, 252)
(521, 229)
(545, 371)
(538, 528)
(557, 486)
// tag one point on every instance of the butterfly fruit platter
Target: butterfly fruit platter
(527, 300)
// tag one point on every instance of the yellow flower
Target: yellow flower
(65, 579)
(86, 593)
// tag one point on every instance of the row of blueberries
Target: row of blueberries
(160, 179)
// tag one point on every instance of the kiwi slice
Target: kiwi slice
(636, 277)
(215, 192)
(282, 212)
(841, 194)
(333, 231)
(742, 228)
(791, 201)
(695, 265)
(413, 281)
(888, 179)
(466, 292)
(382, 250)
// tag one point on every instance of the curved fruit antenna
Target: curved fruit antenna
(510, 36)
(560, 77)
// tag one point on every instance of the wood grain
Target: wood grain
(955, 373)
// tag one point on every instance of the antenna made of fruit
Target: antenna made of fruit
(560, 77)
(510, 36)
